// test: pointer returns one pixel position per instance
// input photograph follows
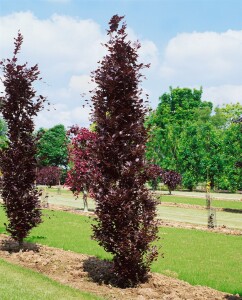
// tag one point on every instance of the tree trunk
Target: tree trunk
(20, 243)
(85, 200)
(59, 188)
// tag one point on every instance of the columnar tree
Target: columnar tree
(81, 161)
(125, 211)
(19, 106)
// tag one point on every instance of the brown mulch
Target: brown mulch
(88, 273)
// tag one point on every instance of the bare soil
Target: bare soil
(88, 273)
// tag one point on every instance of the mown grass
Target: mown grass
(198, 257)
(21, 283)
(226, 204)
(202, 258)
(56, 190)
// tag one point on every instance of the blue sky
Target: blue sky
(190, 43)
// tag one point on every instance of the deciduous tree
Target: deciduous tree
(52, 147)
(49, 175)
(19, 105)
(81, 159)
(176, 110)
(171, 179)
(126, 224)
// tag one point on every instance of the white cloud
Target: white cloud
(67, 50)
(81, 84)
(63, 47)
(60, 44)
(62, 114)
(148, 52)
(223, 94)
(207, 58)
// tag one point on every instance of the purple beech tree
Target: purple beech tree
(49, 175)
(171, 179)
(125, 211)
(82, 163)
(155, 173)
(19, 105)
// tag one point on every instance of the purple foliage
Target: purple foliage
(126, 224)
(19, 106)
(49, 175)
(82, 169)
(171, 179)
(154, 173)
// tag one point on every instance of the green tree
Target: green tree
(212, 156)
(230, 133)
(52, 147)
(189, 156)
(173, 129)
(231, 178)
(191, 148)
(225, 115)
(3, 134)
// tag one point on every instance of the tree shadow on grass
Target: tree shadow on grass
(10, 245)
(233, 210)
(232, 297)
(100, 271)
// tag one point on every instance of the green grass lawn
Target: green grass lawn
(20, 283)
(230, 204)
(198, 257)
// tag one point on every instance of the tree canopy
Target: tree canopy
(52, 146)
(188, 137)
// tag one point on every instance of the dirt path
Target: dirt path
(162, 223)
(88, 273)
(178, 213)
(217, 196)
(198, 216)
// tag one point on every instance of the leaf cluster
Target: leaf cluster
(81, 158)
(49, 175)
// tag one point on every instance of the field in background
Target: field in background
(231, 217)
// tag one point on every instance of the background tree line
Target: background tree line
(186, 135)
